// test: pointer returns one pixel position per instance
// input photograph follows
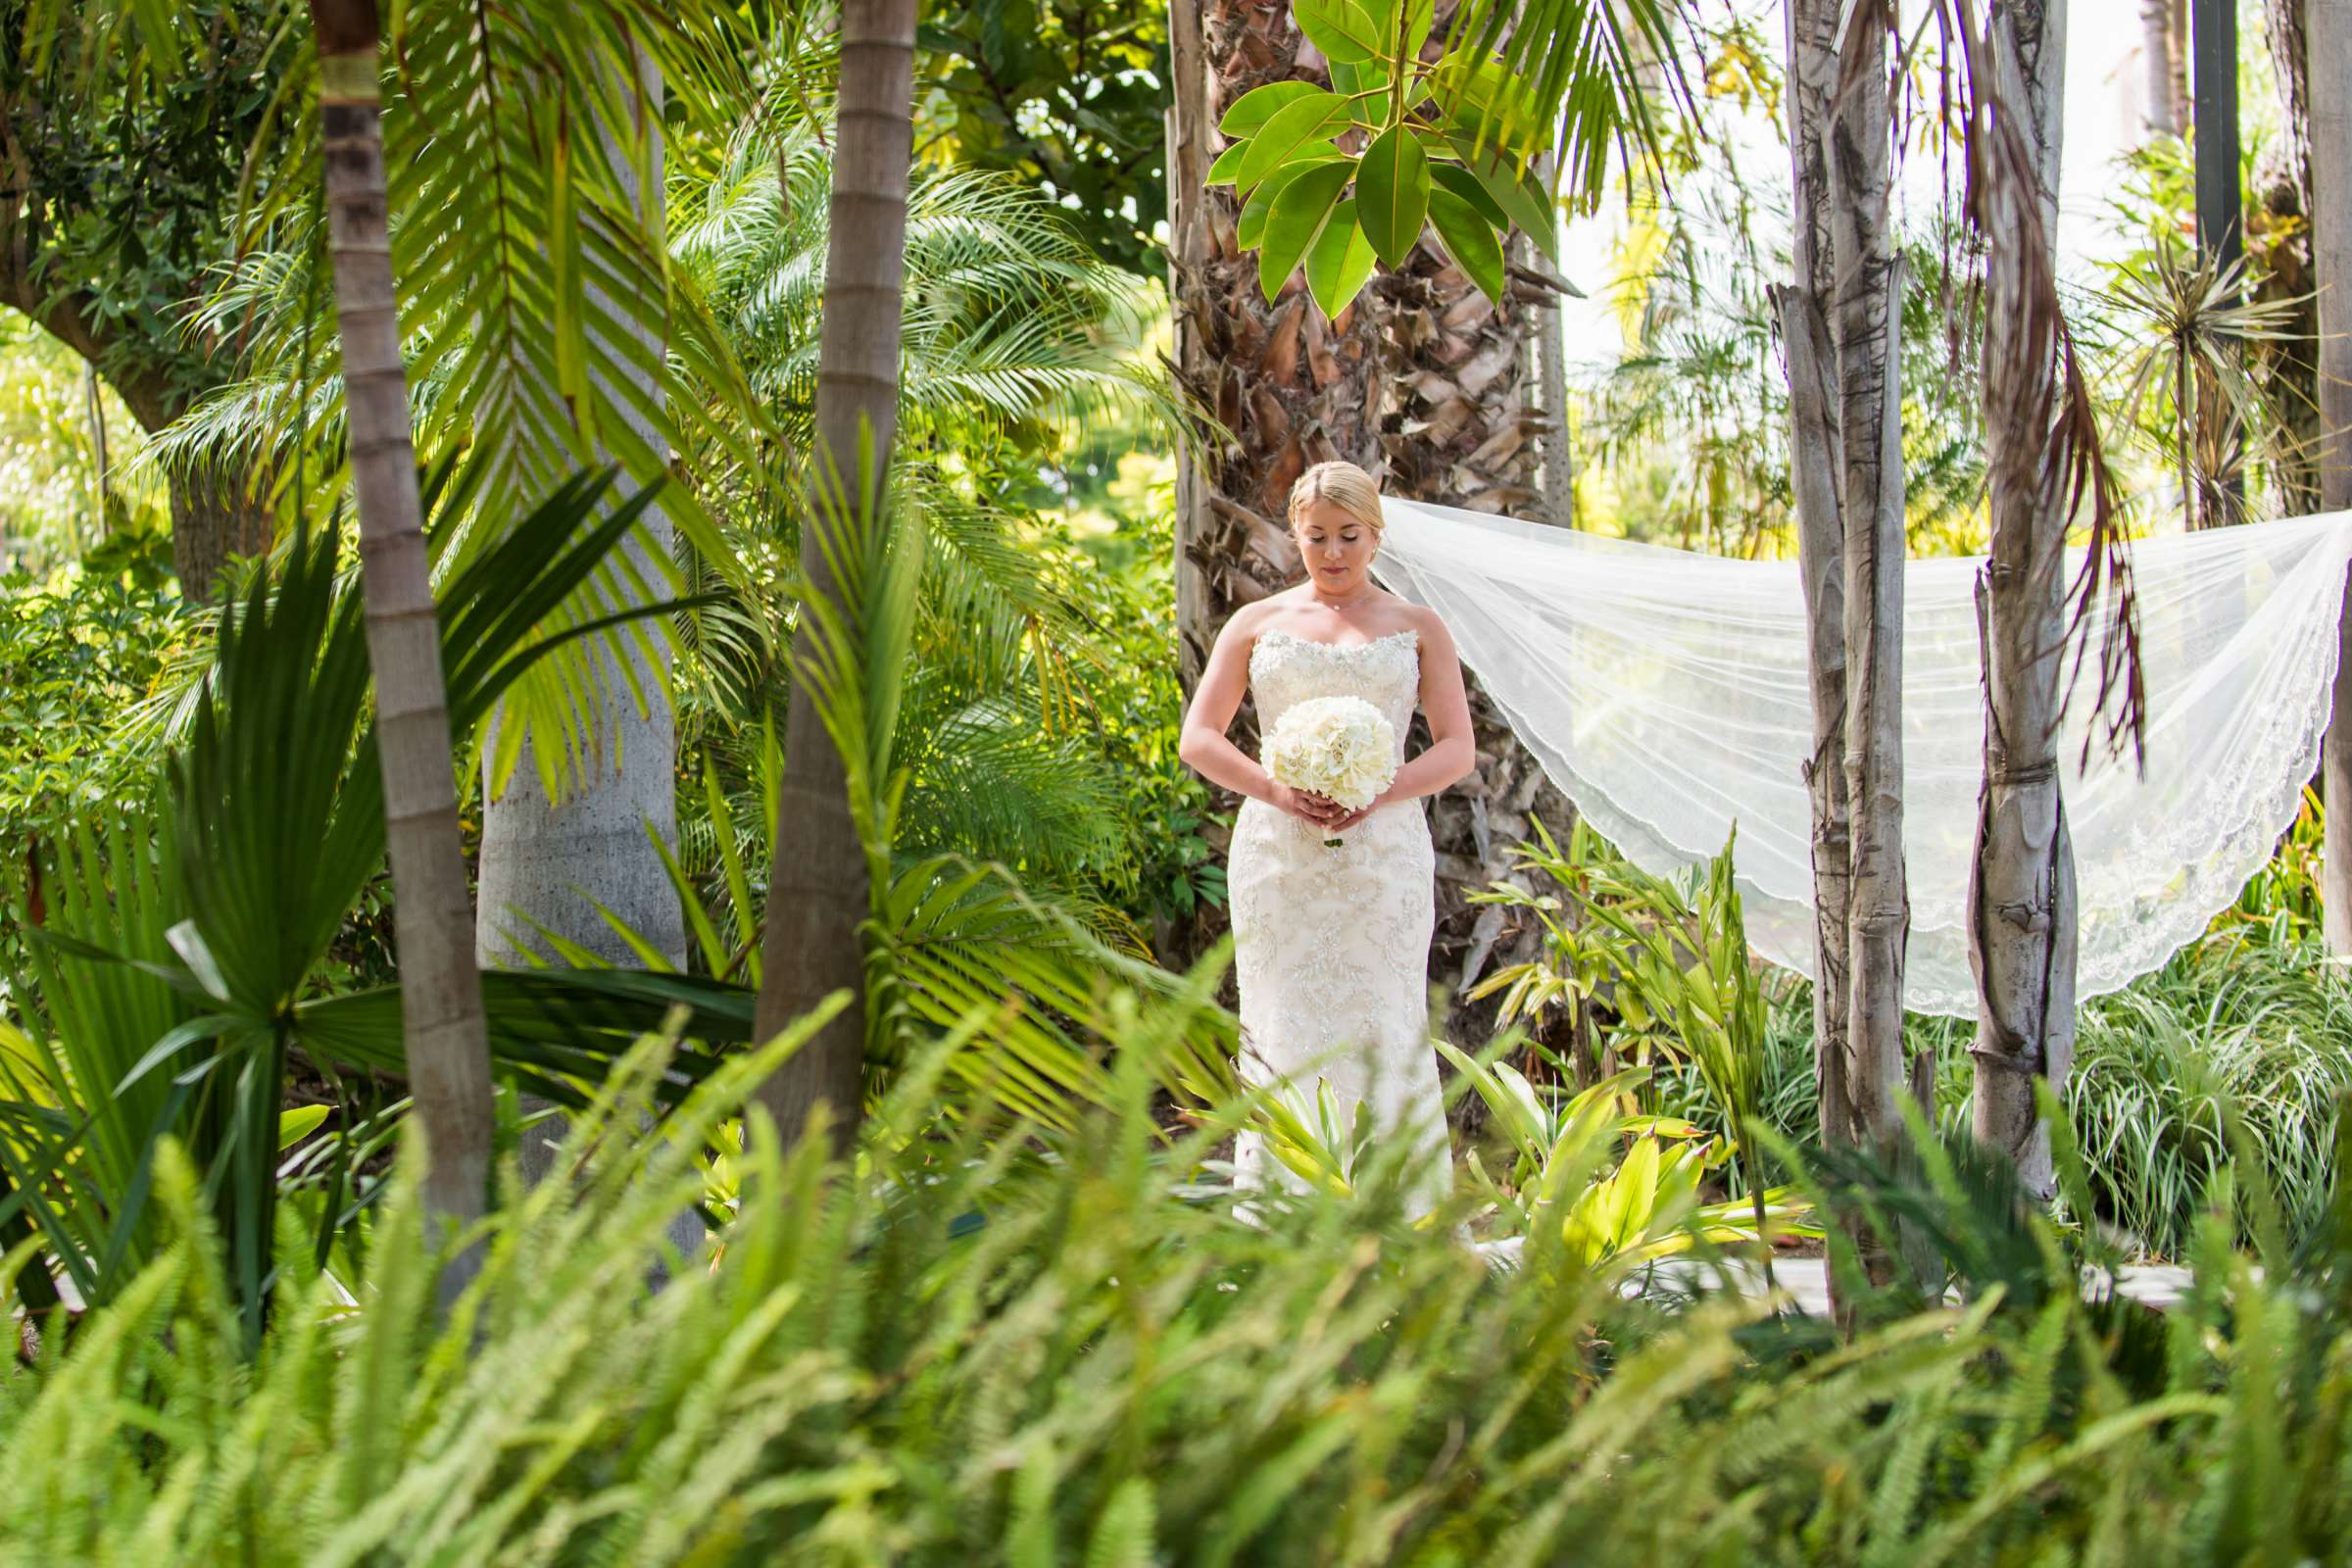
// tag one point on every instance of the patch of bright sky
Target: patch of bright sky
(2105, 111)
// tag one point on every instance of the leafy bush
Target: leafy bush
(79, 652)
(2256, 1020)
(971, 1353)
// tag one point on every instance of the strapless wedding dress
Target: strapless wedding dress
(1331, 944)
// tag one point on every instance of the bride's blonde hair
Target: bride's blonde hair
(1344, 485)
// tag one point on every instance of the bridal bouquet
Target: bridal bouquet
(1342, 746)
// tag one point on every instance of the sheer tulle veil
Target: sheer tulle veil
(1665, 693)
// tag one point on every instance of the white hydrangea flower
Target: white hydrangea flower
(1342, 746)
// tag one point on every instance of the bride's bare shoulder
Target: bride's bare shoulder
(1425, 620)
(1242, 626)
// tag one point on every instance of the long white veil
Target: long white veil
(1665, 694)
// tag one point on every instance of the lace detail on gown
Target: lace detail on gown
(1331, 944)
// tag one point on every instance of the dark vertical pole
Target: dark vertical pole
(2221, 221)
(2213, 51)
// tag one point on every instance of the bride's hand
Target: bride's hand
(1318, 810)
(1346, 819)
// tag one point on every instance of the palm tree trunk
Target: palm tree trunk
(551, 863)
(2022, 910)
(1814, 468)
(559, 864)
(441, 996)
(2279, 222)
(2328, 38)
(2164, 53)
(1866, 328)
(817, 891)
(1842, 331)
(1291, 387)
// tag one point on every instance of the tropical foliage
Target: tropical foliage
(1023, 1316)
(980, 1355)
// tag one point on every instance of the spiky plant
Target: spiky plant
(964, 1352)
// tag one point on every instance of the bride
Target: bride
(1332, 943)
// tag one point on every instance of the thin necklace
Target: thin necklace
(1363, 597)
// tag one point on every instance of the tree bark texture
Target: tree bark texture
(2277, 228)
(1840, 322)
(1815, 470)
(817, 892)
(2164, 55)
(1289, 388)
(551, 863)
(1866, 332)
(2328, 38)
(442, 1022)
(2022, 907)
(215, 515)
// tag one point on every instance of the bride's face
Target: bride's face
(1337, 546)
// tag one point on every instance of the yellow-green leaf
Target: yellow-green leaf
(1294, 130)
(1341, 30)
(293, 1126)
(1391, 195)
(1469, 241)
(1341, 261)
(1295, 220)
(1249, 113)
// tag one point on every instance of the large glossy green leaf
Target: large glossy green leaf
(1463, 183)
(1514, 190)
(1341, 261)
(1250, 112)
(1470, 239)
(1343, 30)
(1367, 86)
(1298, 217)
(1251, 227)
(1391, 195)
(1295, 130)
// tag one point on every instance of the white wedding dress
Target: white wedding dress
(1332, 943)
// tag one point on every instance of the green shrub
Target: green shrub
(79, 652)
(984, 1349)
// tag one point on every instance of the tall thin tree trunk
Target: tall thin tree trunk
(1866, 328)
(817, 892)
(1556, 443)
(2221, 235)
(1842, 331)
(1815, 466)
(2328, 36)
(551, 863)
(441, 996)
(2280, 224)
(2022, 907)
(2164, 46)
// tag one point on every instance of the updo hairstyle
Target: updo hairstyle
(1344, 485)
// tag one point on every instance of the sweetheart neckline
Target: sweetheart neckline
(1341, 648)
